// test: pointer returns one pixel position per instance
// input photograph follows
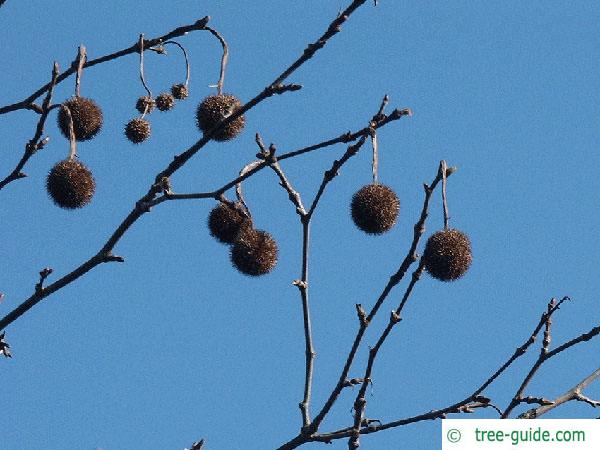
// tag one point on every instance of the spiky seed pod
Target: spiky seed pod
(87, 118)
(374, 208)
(215, 108)
(254, 252)
(145, 104)
(137, 130)
(180, 91)
(447, 255)
(225, 223)
(165, 101)
(70, 184)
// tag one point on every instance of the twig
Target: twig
(224, 58)
(330, 174)
(575, 393)
(80, 61)
(72, 140)
(35, 143)
(545, 355)
(180, 31)
(238, 186)
(444, 169)
(344, 138)
(268, 155)
(4, 347)
(44, 273)
(142, 75)
(395, 317)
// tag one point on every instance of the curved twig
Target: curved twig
(224, 58)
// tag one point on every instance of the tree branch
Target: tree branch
(35, 143)
(180, 31)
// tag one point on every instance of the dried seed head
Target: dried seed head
(165, 101)
(180, 91)
(70, 184)
(145, 104)
(215, 108)
(226, 222)
(254, 252)
(87, 118)
(447, 255)
(137, 130)
(375, 208)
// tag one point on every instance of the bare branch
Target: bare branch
(180, 31)
(36, 143)
(575, 393)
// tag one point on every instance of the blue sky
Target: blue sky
(174, 344)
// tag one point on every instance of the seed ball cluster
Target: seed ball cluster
(70, 184)
(145, 104)
(254, 252)
(215, 108)
(165, 101)
(180, 91)
(447, 255)
(374, 208)
(87, 118)
(226, 222)
(137, 130)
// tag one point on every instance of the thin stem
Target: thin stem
(72, 140)
(224, 58)
(142, 76)
(238, 187)
(187, 61)
(444, 169)
(81, 58)
(375, 163)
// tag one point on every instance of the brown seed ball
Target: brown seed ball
(225, 223)
(145, 104)
(165, 101)
(87, 118)
(137, 130)
(375, 208)
(180, 91)
(254, 252)
(447, 255)
(215, 108)
(70, 184)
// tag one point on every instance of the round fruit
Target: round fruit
(375, 208)
(213, 110)
(180, 91)
(254, 252)
(226, 222)
(447, 255)
(70, 184)
(87, 118)
(137, 130)
(165, 101)
(145, 104)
